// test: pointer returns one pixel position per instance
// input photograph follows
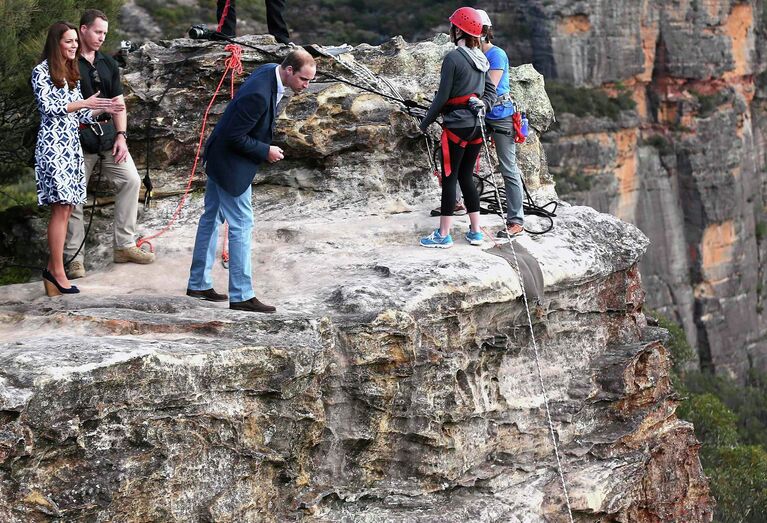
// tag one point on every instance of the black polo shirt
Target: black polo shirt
(108, 75)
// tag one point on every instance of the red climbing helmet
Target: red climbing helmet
(468, 20)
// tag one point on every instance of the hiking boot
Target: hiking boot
(132, 254)
(75, 269)
(436, 241)
(512, 230)
(474, 238)
(251, 305)
(207, 295)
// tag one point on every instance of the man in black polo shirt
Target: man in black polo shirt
(99, 72)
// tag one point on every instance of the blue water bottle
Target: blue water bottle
(525, 128)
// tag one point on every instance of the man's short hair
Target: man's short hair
(90, 15)
(297, 59)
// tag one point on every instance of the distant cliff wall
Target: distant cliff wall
(686, 165)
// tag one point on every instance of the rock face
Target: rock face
(686, 166)
(395, 383)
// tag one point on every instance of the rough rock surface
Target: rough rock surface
(395, 383)
(686, 166)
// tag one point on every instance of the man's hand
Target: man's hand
(275, 154)
(120, 149)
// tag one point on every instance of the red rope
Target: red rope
(225, 249)
(224, 14)
(234, 64)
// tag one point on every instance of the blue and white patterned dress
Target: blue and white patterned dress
(59, 164)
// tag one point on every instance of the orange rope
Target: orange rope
(234, 64)
(225, 249)
(489, 236)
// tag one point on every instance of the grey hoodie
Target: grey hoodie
(464, 71)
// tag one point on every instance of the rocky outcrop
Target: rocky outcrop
(395, 383)
(685, 166)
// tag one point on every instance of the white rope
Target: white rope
(543, 386)
(361, 72)
(379, 83)
(529, 323)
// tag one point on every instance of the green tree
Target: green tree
(730, 421)
(737, 473)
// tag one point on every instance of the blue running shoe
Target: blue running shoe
(474, 238)
(436, 241)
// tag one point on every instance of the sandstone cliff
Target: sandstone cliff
(394, 384)
(686, 166)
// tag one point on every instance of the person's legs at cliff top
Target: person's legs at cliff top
(204, 253)
(238, 213)
(228, 25)
(512, 177)
(465, 174)
(275, 22)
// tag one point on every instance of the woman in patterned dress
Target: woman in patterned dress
(59, 167)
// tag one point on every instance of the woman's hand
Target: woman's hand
(94, 103)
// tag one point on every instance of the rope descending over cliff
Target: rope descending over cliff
(544, 392)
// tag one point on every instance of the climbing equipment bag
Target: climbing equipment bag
(97, 137)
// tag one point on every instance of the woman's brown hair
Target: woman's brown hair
(63, 70)
(471, 41)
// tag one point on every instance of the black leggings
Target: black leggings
(462, 162)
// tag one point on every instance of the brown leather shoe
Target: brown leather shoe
(207, 295)
(251, 305)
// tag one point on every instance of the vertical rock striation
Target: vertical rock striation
(686, 165)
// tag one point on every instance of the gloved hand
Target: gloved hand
(417, 112)
(476, 104)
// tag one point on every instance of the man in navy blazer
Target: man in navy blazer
(240, 142)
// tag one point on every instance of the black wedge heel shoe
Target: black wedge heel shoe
(52, 287)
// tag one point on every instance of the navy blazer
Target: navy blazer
(240, 142)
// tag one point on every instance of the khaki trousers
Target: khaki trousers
(125, 177)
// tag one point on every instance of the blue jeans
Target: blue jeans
(512, 175)
(238, 212)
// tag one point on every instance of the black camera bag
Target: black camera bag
(94, 143)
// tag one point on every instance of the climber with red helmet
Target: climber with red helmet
(465, 91)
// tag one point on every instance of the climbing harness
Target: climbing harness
(449, 136)
(486, 188)
(516, 268)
